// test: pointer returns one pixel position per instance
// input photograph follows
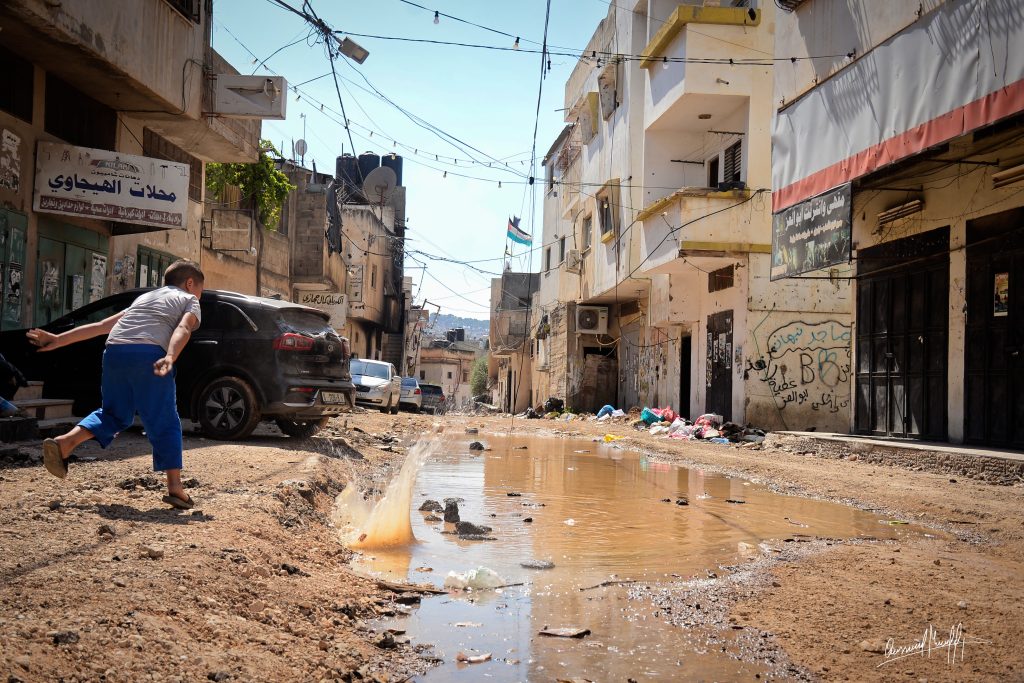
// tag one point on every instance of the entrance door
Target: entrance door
(719, 372)
(685, 348)
(12, 263)
(902, 329)
(994, 391)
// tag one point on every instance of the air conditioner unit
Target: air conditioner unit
(573, 261)
(592, 319)
(250, 97)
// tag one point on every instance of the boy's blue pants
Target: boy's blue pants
(129, 386)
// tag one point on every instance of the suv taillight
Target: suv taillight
(289, 341)
(416, 393)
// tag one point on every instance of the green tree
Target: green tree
(262, 185)
(478, 379)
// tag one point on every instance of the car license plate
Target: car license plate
(332, 397)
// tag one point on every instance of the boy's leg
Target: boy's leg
(158, 407)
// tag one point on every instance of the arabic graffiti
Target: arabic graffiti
(807, 364)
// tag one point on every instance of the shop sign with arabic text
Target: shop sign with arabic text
(97, 183)
(814, 234)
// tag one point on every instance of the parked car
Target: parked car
(378, 384)
(433, 399)
(251, 359)
(412, 397)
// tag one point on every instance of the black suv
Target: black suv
(251, 359)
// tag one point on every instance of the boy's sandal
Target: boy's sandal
(53, 460)
(180, 503)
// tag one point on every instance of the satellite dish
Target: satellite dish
(380, 185)
(300, 147)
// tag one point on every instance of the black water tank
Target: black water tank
(347, 173)
(367, 162)
(394, 162)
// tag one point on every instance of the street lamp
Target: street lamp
(353, 50)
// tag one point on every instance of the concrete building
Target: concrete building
(449, 364)
(655, 285)
(510, 362)
(909, 150)
(104, 141)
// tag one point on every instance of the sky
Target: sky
(485, 98)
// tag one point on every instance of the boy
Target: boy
(143, 343)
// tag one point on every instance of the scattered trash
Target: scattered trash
(424, 569)
(608, 438)
(467, 624)
(472, 430)
(570, 522)
(606, 411)
(473, 659)
(719, 439)
(682, 501)
(794, 522)
(554, 405)
(477, 579)
(892, 522)
(569, 632)
(537, 564)
(528, 520)
(582, 451)
(735, 501)
(513, 494)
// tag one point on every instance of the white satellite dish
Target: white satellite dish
(379, 185)
(300, 147)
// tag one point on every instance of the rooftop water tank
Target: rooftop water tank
(347, 174)
(367, 162)
(394, 162)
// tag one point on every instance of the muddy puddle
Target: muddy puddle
(599, 515)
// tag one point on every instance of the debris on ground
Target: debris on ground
(473, 659)
(568, 632)
(430, 505)
(537, 564)
(480, 578)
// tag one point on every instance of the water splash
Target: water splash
(384, 523)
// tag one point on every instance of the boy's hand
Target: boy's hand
(41, 338)
(163, 366)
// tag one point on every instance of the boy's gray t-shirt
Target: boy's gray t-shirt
(151, 319)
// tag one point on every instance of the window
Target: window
(449, 374)
(17, 85)
(588, 232)
(608, 211)
(373, 276)
(720, 279)
(733, 158)
(547, 259)
(465, 375)
(188, 8)
(714, 167)
(159, 148)
(551, 175)
(76, 118)
(561, 250)
(423, 374)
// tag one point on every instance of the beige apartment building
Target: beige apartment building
(655, 281)
(104, 142)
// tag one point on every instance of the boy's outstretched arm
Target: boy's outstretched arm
(47, 341)
(179, 338)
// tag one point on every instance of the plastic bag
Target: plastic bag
(650, 416)
(479, 578)
(605, 410)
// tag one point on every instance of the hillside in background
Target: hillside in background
(474, 328)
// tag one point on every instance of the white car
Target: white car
(377, 383)
(412, 397)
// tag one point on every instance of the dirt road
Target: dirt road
(99, 581)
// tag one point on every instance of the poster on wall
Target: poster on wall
(12, 293)
(96, 183)
(98, 277)
(10, 161)
(77, 291)
(1001, 303)
(355, 283)
(814, 234)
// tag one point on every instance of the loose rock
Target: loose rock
(451, 512)
(431, 506)
(468, 528)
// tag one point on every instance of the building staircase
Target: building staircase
(40, 417)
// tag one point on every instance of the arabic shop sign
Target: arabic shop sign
(97, 183)
(816, 233)
(331, 303)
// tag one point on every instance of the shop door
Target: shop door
(902, 329)
(12, 267)
(994, 391)
(719, 371)
(685, 348)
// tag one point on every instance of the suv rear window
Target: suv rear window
(304, 322)
(430, 389)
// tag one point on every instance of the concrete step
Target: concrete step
(46, 408)
(47, 429)
(33, 391)
(18, 429)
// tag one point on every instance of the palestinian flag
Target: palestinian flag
(517, 235)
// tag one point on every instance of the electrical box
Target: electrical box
(250, 97)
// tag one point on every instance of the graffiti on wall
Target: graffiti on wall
(807, 364)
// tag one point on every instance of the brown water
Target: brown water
(619, 529)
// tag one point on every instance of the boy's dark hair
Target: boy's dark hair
(178, 273)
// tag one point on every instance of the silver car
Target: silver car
(377, 383)
(412, 397)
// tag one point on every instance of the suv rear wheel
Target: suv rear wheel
(387, 408)
(301, 429)
(395, 405)
(228, 409)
